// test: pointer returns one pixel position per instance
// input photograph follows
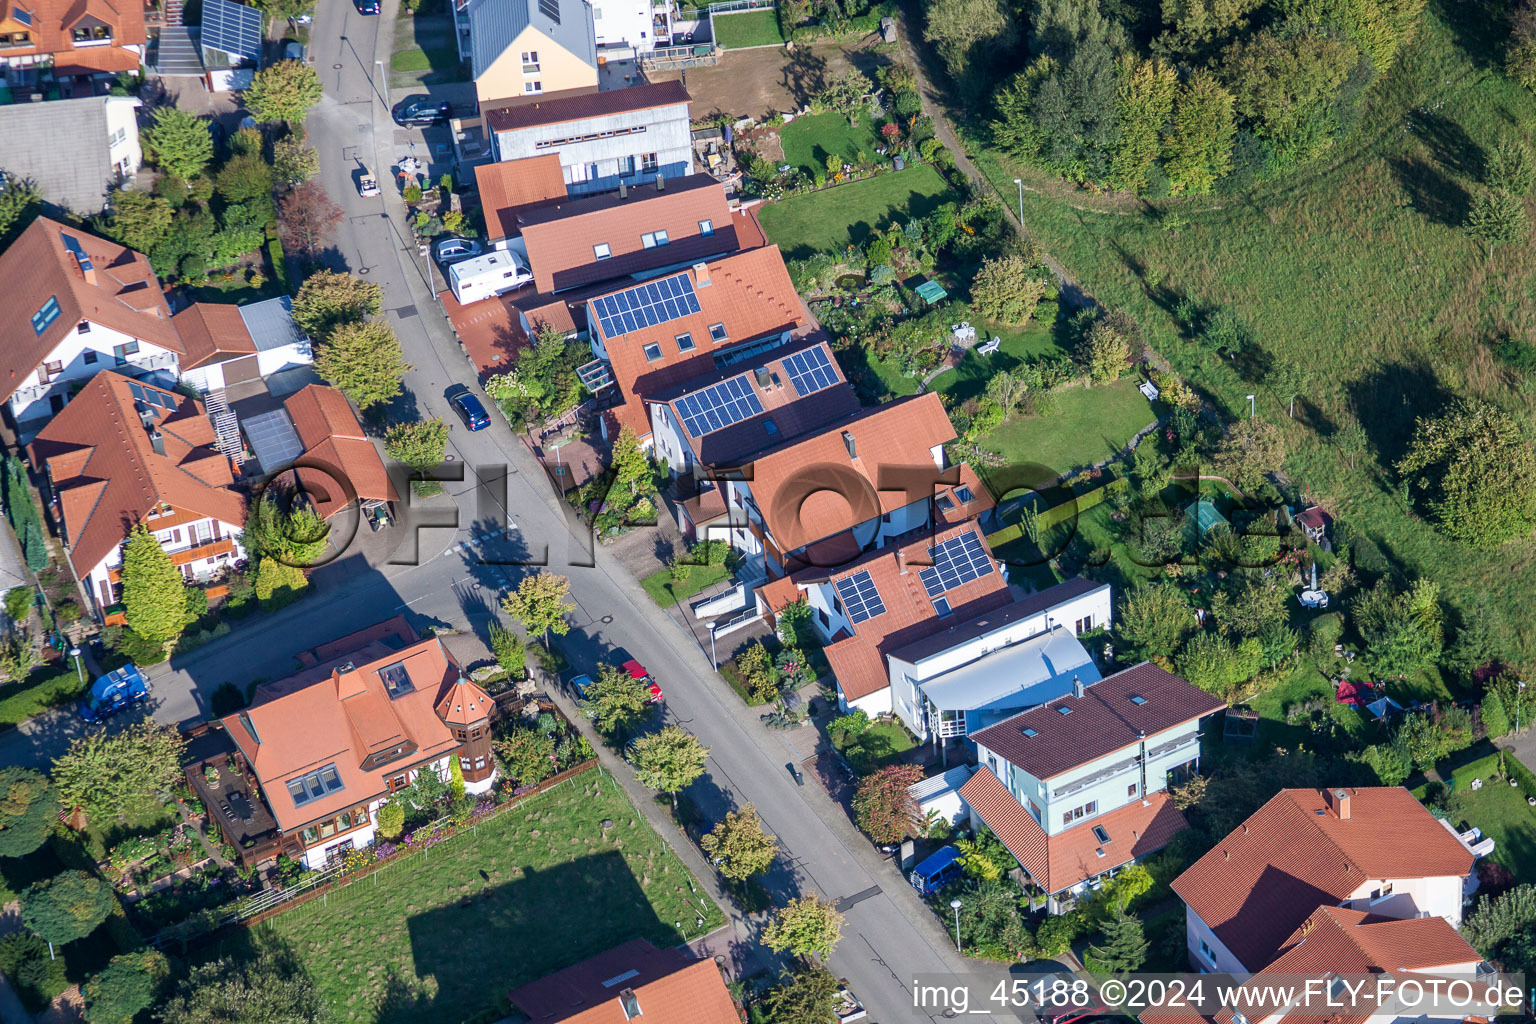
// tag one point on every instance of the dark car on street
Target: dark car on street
(469, 407)
(452, 250)
(366, 6)
(419, 111)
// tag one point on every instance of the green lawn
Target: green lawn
(444, 936)
(1091, 424)
(425, 52)
(1357, 267)
(808, 141)
(700, 577)
(1020, 344)
(1500, 810)
(748, 28)
(882, 744)
(834, 218)
(417, 59)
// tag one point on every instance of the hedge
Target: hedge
(1057, 514)
(279, 263)
(44, 689)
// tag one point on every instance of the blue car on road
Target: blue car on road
(116, 691)
(469, 407)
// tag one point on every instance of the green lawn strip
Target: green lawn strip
(808, 141)
(445, 935)
(748, 28)
(1500, 810)
(833, 218)
(882, 744)
(417, 59)
(667, 593)
(1315, 266)
(1090, 425)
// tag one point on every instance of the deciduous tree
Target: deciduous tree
(1508, 166)
(245, 178)
(420, 445)
(1285, 84)
(1007, 289)
(1288, 379)
(67, 906)
(19, 197)
(306, 218)
(128, 984)
(1144, 94)
(139, 220)
(527, 754)
(616, 702)
(846, 94)
(365, 361)
(1197, 149)
(969, 34)
(283, 92)
(154, 592)
(328, 299)
(109, 774)
(1154, 620)
(631, 465)
(269, 989)
(806, 926)
(1403, 631)
(1103, 352)
(739, 846)
(1252, 449)
(29, 808)
(293, 163)
(540, 604)
(804, 996)
(883, 806)
(1474, 471)
(179, 141)
(669, 761)
(1351, 440)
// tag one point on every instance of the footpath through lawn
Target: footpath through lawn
(444, 935)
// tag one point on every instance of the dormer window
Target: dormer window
(9, 40)
(90, 31)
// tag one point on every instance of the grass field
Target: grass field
(849, 214)
(443, 936)
(1500, 810)
(700, 577)
(808, 141)
(425, 52)
(1020, 344)
(748, 28)
(1092, 424)
(1359, 269)
(882, 744)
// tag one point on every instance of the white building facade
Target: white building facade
(79, 356)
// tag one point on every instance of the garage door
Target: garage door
(237, 371)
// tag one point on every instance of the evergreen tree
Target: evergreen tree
(1496, 218)
(1124, 943)
(154, 593)
(36, 550)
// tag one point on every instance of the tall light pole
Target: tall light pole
(74, 652)
(1020, 182)
(955, 905)
(1252, 412)
(712, 662)
(1519, 694)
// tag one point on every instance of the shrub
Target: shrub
(510, 652)
(226, 700)
(42, 690)
(194, 268)
(391, 819)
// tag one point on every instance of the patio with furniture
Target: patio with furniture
(226, 785)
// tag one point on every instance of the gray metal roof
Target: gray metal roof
(1035, 670)
(939, 785)
(62, 145)
(231, 28)
(273, 439)
(494, 24)
(270, 323)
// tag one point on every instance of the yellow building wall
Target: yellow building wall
(558, 69)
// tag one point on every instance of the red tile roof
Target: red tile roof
(1102, 721)
(1295, 853)
(52, 22)
(560, 235)
(341, 714)
(670, 986)
(749, 292)
(509, 186)
(124, 296)
(108, 477)
(1061, 861)
(812, 489)
(212, 332)
(581, 105)
(339, 462)
(858, 662)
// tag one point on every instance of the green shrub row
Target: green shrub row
(45, 688)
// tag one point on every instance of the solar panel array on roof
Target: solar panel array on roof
(860, 596)
(956, 561)
(231, 28)
(136, 391)
(810, 371)
(646, 305)
(719, 406)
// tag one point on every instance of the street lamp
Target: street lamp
(1252, 412)
(712, 662)
(1020, 182)
(1519, 694)
(74, 652)
(955, 905)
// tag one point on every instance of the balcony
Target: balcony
(233, 798)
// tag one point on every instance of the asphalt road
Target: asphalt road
(890, 939)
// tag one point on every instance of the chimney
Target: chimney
(147, 417)
(630, 1004)
(901, 560)
(1077, 688)
(764, 379)
(848, 442)
(623, 191)
(701, 275)
(1341, 804)
(157, 442)
(661, 183)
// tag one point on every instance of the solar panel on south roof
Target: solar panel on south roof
(167, 401)
(136, 391)
(232, 28)
(646, 305)
(956, 561)
(810, 371)
(719, 406)
(860, 596)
